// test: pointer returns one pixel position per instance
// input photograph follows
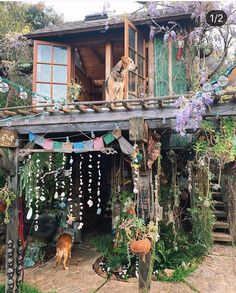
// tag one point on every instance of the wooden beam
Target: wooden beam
(109, 63)
(23, 112)
(170, 67)
(10, 113)
(99, 56)
(127, 106)
(151, 68)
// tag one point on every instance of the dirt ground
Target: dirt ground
(217, 274)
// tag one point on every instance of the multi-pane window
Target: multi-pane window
(135, 49)
(51, 71)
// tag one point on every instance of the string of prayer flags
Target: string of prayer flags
(108, 138)
(48, 144)
(98, 143)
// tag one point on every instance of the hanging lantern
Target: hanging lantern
(4, 87)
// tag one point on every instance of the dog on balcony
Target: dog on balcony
(64, 245)
(115, 82)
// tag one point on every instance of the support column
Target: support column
(108, 62)
(12, 226)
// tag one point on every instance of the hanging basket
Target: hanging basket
(140, 247)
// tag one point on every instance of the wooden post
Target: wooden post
(151, 69)
(170, 68)
(144, 273)
(108, 63)
(12, 226)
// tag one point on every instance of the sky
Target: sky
(76, 10)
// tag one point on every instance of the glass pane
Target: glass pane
(141, 90)
(131, 82)
(140, 66)
(44, 72)
(140, 44)
(43, 89)
(44, 53)
(59, 73)
(59, 92)
(132, 55)
(60, 55)
(132, 33)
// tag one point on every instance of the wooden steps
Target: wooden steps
(218, 236)
(220, 213)
(221, 225)
(221, 228)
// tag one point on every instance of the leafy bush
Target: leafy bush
(25, 289)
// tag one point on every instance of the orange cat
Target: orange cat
(64, 245)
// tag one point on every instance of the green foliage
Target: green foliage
(219, 143)
(25, 289)
(35, 252)
(28, 174)
(6, 197)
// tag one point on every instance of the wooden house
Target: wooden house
(84, 52)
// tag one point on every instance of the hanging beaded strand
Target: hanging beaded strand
(71, 185)
(81, 193)
(99, 185)
(90, 166)
(50, 163)
(29, 193)
(37, 188)
(63, 185)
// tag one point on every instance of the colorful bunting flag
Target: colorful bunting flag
(108, 138)
(31, 136)
(98, 143)
(48, 144)
(88, 145)
(39, 140)
(78, 147)
(67, 147)
(57, 145)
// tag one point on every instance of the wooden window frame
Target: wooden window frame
(36, 62)
(127, 47)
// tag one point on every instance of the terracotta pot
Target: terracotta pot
(140, 247)
(131, 211)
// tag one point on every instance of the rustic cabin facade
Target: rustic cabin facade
(83, 53)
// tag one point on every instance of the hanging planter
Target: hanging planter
(140, 247)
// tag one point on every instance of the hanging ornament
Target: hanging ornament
(23, 95)
(70, 185)
(50, 163)
(90, 201)
(98, 186)
(4, 87)
(222, 80)
(37, 195)
(81, 194)
(71, 219)
(62, 188)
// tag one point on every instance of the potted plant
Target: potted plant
(139, 235)
(6, 198)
